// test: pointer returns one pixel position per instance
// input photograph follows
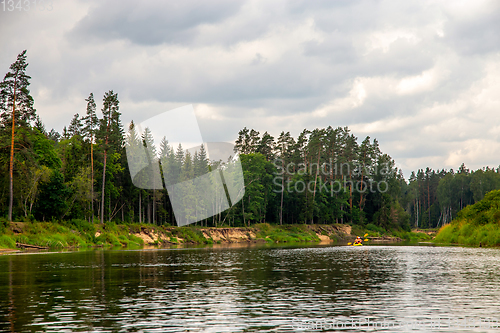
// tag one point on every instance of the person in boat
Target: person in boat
(358, 240)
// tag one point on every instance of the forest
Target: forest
(322, 176)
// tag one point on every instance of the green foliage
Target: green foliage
(51, 203)
(357, 230)
(74, 233)
(46, 155)
(466, 234)
(258, 188)
(134, 239)
(391, 216)
(190, 235)
(81, 225)
(16, 80)
(4, 225)
(264, 227)
(108, 238)
(372, 229)
(134, 227)
(412, 236)
(49, 234)
(7, 242)
(484, 211)
(286, 233)
(476, 224)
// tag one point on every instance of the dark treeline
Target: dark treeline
(433, 198)
(321, 176)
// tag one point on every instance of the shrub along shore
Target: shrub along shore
(475, 225)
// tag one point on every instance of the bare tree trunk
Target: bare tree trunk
(361, 189)
(104, 170)
(315, 180)
(154, 220)
(92, 175)
(429, 201)
(103, 187)
(282, 190)
(350, 191)
(140, 212)
(243, 209)
(11, 173)
(149, 213)
(418, 210)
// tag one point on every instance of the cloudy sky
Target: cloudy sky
(423, 77)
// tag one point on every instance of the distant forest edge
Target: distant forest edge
(322, 176)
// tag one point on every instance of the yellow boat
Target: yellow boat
(358, 244)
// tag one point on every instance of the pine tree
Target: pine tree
(14, 94)
(201, 162)
(174, 166)
(187, 167)
(266, 146)
(109, 111)
(152, 159)
(254, 141)
(242, 144)
(40, 126)
(315, 147)
(54, 135)
(165, 156)
(164, 148)
(65, 133)
(75, 126)
(148, 140)
(282, 146)
(365, 160)
(179, 155)
(90, 122)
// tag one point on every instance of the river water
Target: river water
(247, 289)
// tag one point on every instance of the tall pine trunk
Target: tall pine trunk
(140, 210)
(315, 180)
(11, 173)
(103, 186)
(282, 190)
(104, 170)
(92, 176)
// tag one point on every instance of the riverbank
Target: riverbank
(81, 234)
(475, 225)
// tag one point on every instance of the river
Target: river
(254, 288)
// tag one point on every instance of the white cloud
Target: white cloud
(383, 39)
(418, 83)
(354, 99)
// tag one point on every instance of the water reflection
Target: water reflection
(242, 289)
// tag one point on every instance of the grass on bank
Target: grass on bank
(81, 233)
(475, 225)
(74, 233)
(285, 233)
(376, 231)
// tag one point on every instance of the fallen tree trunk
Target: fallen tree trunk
(29, 246)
